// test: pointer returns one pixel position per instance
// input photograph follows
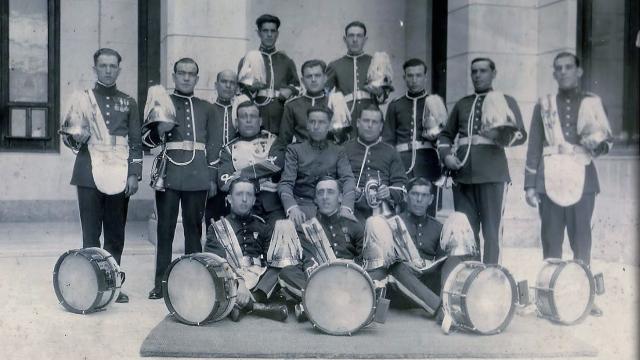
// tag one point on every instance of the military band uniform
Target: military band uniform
(281, 73)
(554, 218)
(253, 235)
(404, 132)
(241, 151)
(341, 75)
(378, 161)
(216, 206)
(345, 238)
(305, 164)
(191, 147)
(293, 128)
(480, 185)
(99, 210)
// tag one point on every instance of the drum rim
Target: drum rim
(165, 290)
(550, 291)
(348, 264)
(463, 299)
(102, 285)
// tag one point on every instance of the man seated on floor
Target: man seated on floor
(408, 248)
(243, 239)
(248, 155)
(344, 235)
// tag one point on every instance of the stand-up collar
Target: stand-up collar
(103, 89)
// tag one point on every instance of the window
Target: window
(28, 76)
(611, 59)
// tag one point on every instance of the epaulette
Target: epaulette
(292, 98)
(259, 218)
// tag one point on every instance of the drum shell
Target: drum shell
(456, 287)
(107, 272)
(224, 283)
(349, 265)
(545, 290)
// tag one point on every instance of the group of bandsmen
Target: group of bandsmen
(273, 150)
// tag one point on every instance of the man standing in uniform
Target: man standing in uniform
(248, 156)
(404, 127)
(190, 174)
(243, 239)
(348, 74)
(576, 218)
(116, 116)
(282, 79)
(374, 160)
(226, 87)
(481, 171)
(294, 120)
(307, 162)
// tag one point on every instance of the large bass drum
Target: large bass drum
(87, 280)
(564, 291)
(480, 297)
(339, 298)
(199, 288)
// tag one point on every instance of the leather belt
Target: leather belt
(414, 145)
(185, 145)
(566, 149)
(476, 140)
(268, 93)
(249, 261)
(361, 94)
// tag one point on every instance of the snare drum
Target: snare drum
(87, 280)
(199, 288)
(339, 298)
(480, 297)
(564, 291)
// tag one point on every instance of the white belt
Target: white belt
(414, 145)
(269, 93)
(566, 149)
(249, 261)
(476, 140)
(186, 145)
(361, 94)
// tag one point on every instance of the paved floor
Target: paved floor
(34, 326)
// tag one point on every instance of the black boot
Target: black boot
(269, 311)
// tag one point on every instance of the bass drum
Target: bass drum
(480, 297)
(564, 291)
(339, 298)
(87, 280)
(199, 288)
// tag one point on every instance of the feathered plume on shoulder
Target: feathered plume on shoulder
(434, 117)
(496, 111)
(79, 113)
(253, 72)
(380, 72)
(341, 116)
(457, 236)
(159, 100)
(237, 100)
(592, 121)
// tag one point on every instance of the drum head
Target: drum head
(191, 291)
(339, 299)
(489, 300)
(77, 282)
(572, 293)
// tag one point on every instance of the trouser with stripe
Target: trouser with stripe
(575, 218)
(483, 205)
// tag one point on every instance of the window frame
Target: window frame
(50, 143)
(630, 106)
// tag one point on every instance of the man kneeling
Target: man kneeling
(243, 239)
(415, 251)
